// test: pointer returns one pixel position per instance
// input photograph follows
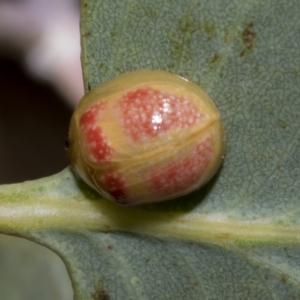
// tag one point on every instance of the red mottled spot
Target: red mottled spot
(114, 184)
(89, 117)
(180, 175)
(96, 143)
(146, 113)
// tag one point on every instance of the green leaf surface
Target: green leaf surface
(31, 272)
(239, 236)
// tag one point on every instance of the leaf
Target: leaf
(29, 271)
(239, 236)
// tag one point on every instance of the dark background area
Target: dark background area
(40, 84)
(34, 122)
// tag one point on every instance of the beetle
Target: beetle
(146, 136)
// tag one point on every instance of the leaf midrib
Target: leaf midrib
(46, 209)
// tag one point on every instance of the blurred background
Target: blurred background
(40, 84)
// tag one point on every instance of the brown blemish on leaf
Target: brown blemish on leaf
(248, 36)
(110, 247)
(186, 26)
(86, 34)
(215, 58)
(284, 278)
(210, 30)
(100, 293)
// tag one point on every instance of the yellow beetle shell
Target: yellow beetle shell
(146, 136)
